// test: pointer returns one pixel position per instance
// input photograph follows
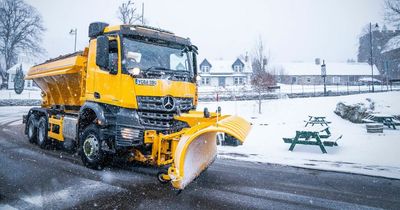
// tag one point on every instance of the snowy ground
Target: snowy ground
(333, 88)
(358, 151)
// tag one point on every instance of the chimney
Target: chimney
(246, 57)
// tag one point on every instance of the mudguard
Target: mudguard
(197, 148)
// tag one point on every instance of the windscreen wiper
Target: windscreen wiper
(151, 69)
(155, 71)
(156, 68)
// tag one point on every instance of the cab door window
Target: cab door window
(113, 56)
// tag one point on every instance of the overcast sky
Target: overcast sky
(293, 30)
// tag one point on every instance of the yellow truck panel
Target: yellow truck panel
(62, 81)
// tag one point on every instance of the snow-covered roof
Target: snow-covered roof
(368, 79)
(225, 66)
(301, 68)
(25, 67)
(392, 44)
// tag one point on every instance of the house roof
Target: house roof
(392, 44)
(225, 66)
(301, 68)
(238, 62)
(205, 62)
(25, 67)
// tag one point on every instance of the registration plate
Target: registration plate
(149, 82)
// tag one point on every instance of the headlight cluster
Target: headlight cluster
(135, 71)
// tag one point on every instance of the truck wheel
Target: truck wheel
(90, 148)
(42, 139)
(32, 130)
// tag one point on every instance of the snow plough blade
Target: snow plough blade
(197, 148)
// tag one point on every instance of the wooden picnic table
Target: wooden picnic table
(316, 120)
(388, 120)
(315, 137)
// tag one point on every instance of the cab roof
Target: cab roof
(141, 31)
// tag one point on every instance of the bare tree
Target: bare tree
(127, 13)
(392, 12)
(261, 78)
(21, 30)
(260, 58)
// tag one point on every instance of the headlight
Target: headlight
(135, 71)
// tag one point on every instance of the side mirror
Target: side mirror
(195, 49)
(195, 72)
(102, 52)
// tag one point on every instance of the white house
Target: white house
(309, 73)
(225, 72)
(29, 85)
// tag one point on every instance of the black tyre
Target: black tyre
(32, 129)
(90, 148)
(42, 131)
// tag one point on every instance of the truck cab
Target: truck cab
(141, 75)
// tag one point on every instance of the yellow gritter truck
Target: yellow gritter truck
(131, 93)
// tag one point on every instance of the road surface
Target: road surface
(32, 178)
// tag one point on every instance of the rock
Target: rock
(354, 112)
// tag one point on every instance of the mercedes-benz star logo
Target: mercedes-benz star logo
(168, 103)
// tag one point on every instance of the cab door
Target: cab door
(107, 79)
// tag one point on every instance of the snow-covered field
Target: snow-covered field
(332, 88)
(358, 151)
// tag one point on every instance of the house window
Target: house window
(238, 80)
(238, 68)
(308, 79)
(205, 81)
(221, 81)
(294, 80)
(335, 80)
(205, 69)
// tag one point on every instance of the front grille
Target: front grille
(153, 103)
(155, 119)
(154, 115)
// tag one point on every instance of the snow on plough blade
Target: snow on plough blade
(197, 148)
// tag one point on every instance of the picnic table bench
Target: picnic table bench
(312, 137)
(388, 120)
(316, 120)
